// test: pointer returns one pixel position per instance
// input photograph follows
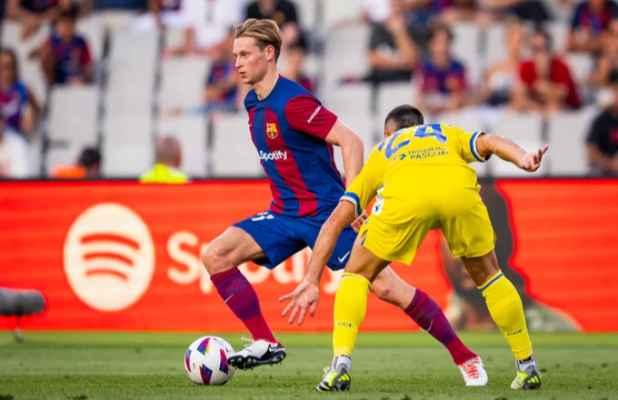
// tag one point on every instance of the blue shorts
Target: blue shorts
(281, 236)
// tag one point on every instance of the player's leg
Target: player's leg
(507, 311)
(265, 240)
(350, 308)
(423, 310)
(470, 235)
(230, 249)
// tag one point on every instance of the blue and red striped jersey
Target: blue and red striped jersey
(288, 129)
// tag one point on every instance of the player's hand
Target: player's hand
(304, 298)
(532, 161)
(359, 221)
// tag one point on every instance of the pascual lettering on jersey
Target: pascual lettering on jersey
(273, 155)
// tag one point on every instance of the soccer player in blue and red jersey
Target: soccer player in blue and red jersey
(294, 136)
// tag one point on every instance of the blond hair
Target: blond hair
(264, 31)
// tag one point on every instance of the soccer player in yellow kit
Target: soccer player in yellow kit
(422, 181)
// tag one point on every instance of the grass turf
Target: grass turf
(85, 366)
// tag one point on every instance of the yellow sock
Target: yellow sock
(350, 308)
(507, 311)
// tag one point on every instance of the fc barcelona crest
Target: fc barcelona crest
(271, 130)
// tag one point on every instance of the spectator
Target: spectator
(13, 153)
(32, 14)
(206, 26)
(295, 59)
(546, 83)
(533, 11)
(605, 64)
(442, 78)
(392, 52)
(221, 91)
(501, 77)
(88, 166)
(18, 105)
(602, 140)
(65, 57)
(283, 12)
(162, 13)
(592, 20)
(168, 158)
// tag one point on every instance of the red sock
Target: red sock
(239, 296)
(428, 315)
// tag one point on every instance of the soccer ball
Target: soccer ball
(206, 361)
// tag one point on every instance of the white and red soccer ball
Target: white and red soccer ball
(206, 361)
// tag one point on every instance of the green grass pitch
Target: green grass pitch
(85, 366)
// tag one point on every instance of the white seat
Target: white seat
(466, 50)
(391, 95)
(364, 126)
(127, 148)
(191, 132)
(559, 32)
(567, 138)
(345, 52)
(348, 99)
(580, 66)
(495, 44)
(307, 10)
(183, 82)
(73, 114)
(523, 129)
(233, 152)
(335, 12)
(92, 30)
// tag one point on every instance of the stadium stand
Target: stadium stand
(136, 84)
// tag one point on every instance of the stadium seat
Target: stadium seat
(183, 82)
(559, 32)
(345, 52)
(494, 38)
(581, 66)
(336, 12)
(391, 95)
(466, 50)
(233, 153)
(525, 130)
(191, 132)
(92, 30)
(349, 99)
(308, 10)
(364, 126)
(127, 148)
(72, 122)
(567, 136)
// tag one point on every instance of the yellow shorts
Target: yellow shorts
(469, 233)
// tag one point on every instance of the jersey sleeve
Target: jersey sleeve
(306, 114)
(466, 144)
(365, 186)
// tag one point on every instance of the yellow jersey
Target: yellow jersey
(422, 178)
(165, 174)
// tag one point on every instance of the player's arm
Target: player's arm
(508, 150)
(364, 187)
(307, 294)
(351, 149)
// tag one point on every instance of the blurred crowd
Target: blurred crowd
(410, 41)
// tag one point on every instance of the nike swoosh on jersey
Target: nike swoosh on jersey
(343, 257)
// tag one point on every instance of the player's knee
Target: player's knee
(214, 260)
(384, 292)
